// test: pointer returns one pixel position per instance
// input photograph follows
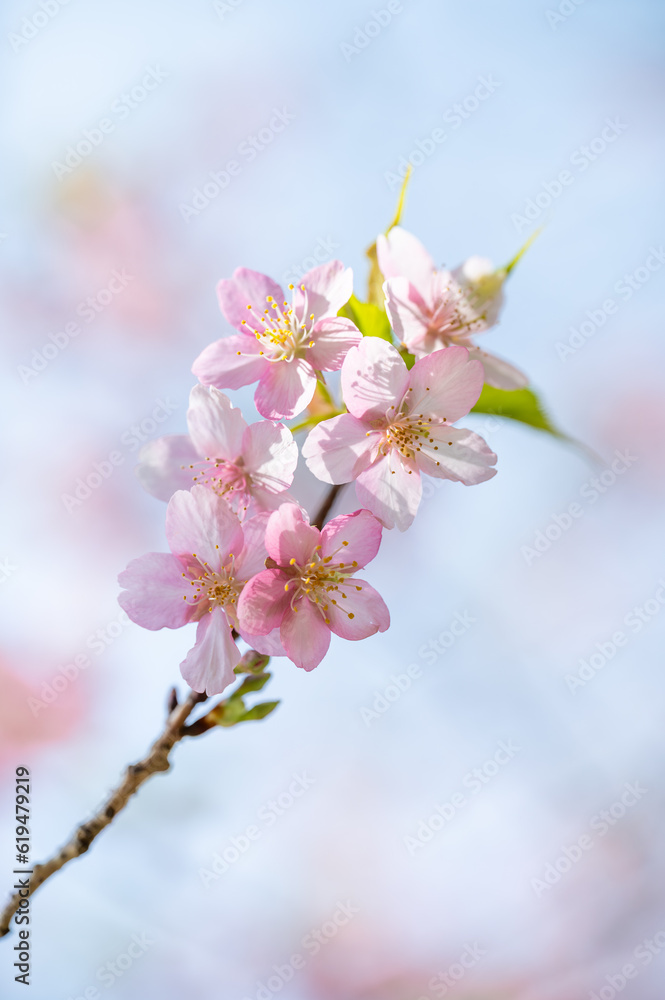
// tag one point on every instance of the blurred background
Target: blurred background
(434, 847)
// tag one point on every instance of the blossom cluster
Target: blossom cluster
(245, 561)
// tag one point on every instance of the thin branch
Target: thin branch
(326, 505)
(157, 759)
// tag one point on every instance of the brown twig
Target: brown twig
(157, 759)
(326, 505)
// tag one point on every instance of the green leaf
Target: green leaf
(233, 710)
(516, 404)
(370, 319)
(259, 711)
(228, 713)
(409, 358)
(313, 420)
(507, 268)
(524, 406)
(253, 683)
(397, 218)
(375, 278)
(252, 663)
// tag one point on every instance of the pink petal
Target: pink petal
(209, 664)
(154, 591)
(264, 501)
(263, 602)
(304, 635)
(337, 450)
(473, 269)
(445, 384)
(252, 559)
(352, 538)
(270, 455)
(400, 254)
(409, 314)
(462, 455)
(374, 378)
(391, 489)
(289, 536)
(483, 286)
(333, 339)
(285, 389)
(269, 645)
(245, 288)
(160, 470)
(360, 614)
(215, 426)
(498, 372)
(327, 288)
(201, 523)
(230, 363)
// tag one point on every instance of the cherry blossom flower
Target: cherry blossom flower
(212, 558)
(311, 589)
(482, 284)
(281, 345)
(246, 464)
(398, 426)
(430, 309)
